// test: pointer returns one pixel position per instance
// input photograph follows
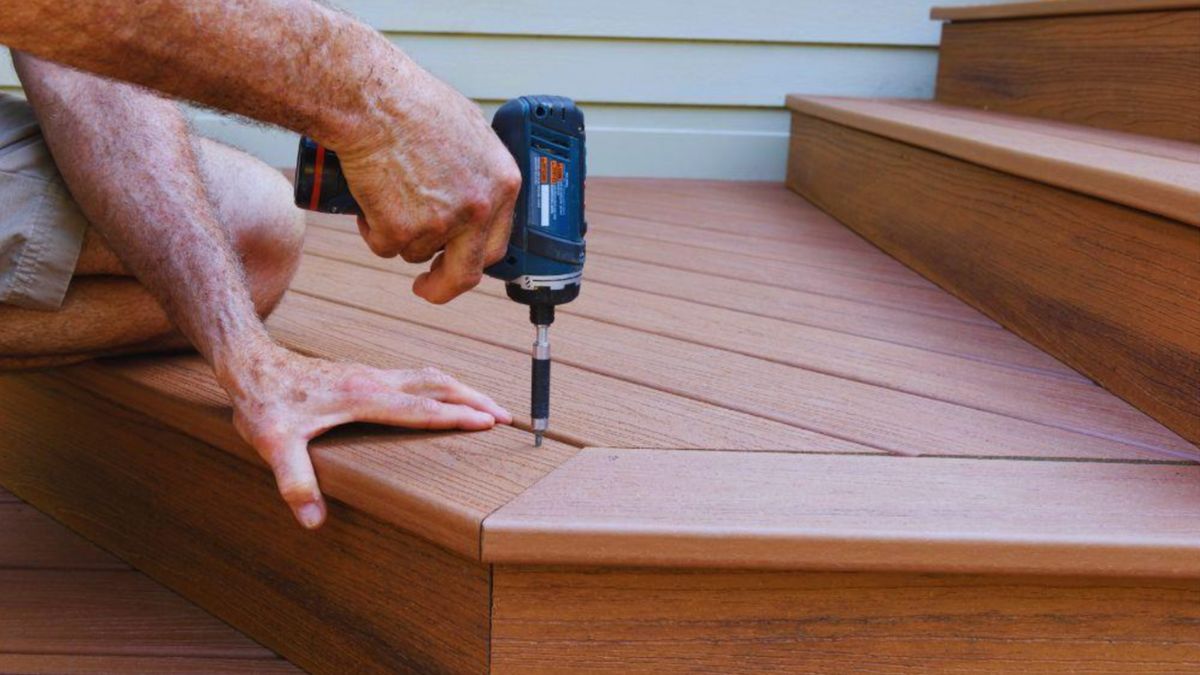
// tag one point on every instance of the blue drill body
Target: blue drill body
(543, 266)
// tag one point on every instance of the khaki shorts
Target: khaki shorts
(41, 228)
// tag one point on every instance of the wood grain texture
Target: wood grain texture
(1109, 290)
(89, 664)
(30, 539)
(57, 664)
(1075, 404)
(550, 620)
(359, 596)
(855, 513)
(861, 316)
(114, 612)
(1137, 72)
(1037, 8)
(436, 485)
(866, 414)
(590, 404)
(1115, 169)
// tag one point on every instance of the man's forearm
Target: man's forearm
(128, 159)
(293, 63)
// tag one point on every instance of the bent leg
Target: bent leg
(107, 312)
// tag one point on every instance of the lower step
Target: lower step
(1111, 290)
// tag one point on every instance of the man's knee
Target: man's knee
(254, 201)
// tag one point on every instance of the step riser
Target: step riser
(1136, 72)
(357, 597)
(1107, 289)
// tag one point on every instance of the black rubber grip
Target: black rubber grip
(541, 389)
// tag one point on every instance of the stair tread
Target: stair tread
(1152, 174)
(1015, 10)
(797, 510)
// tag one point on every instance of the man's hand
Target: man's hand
(420, 159)
(429, 174)
(282, 400)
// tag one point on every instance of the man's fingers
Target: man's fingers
(297, 482)
(420, 412)
(459, 271)
(435, 384)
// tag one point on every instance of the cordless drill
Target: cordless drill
(543, 267)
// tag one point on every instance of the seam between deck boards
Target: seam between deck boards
(680, 394)
(839, 271)
(1071, 376)
(1060, 427)
(986, 323)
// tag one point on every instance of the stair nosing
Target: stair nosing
(1175, 199)
(1057, 8)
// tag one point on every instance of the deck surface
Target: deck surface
(731, 344)
(67, 606)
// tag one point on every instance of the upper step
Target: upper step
(1151, 174)
(1128, 65)
(1041, 8)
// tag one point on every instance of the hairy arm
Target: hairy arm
(154, 212)
(420, 159)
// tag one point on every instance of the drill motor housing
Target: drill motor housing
(543, 266)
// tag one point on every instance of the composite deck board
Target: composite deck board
(590, 406)
(1117, 171)
(1134, 71)
(873, 415)
(855, 258)
(31, 539)
(1046, 399)
(61, 603)
(1016, 10)
(360, 596)
(438, 486)
(109, 612)
(620, 620)
(858, 317)
(57, 664)
(853, 512)
(719, 265)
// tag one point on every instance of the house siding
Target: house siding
(670, 88)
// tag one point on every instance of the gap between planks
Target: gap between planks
(980, 405)
(947, 425)
(997, 338)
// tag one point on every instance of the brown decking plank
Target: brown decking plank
(436, 485)
(990, 344)
(30, 539)
(1067, 404)
(757, 210)
(854, 512)
(6, 496)
(925, 299)
(868, 414)
(1137, 72)
(358, 596)
(1040, 8)
(587, 406)
(56, 664)
(108, 612)
(1162, 185)
(604, 620)
(1108, 289)
(855, 258)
